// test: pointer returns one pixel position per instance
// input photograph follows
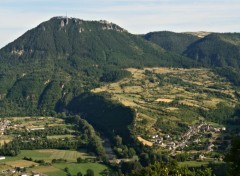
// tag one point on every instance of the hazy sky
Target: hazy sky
(137, 16)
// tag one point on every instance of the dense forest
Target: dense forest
(170, 41)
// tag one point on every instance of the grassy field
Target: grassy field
(145, 142)
(26, 153)
(39, 122)
(194, 163)
(74, 168)
(198, 163)
(48, 155)
(60, 136)
(20, 163)
(48, 169)
(54, 169)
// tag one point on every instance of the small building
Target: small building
(210, 147)
(167, 136)
(169, 147)
(197, 141)
(36, 174)
(12, 171)
(223, 128)
(2, 157)
(201, 157)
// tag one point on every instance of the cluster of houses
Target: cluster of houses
(7, 125)
(167, 142)
(4, 124)
(210, 128)
(20, 173)
(8, 171)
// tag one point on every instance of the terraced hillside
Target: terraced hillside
(170, 101)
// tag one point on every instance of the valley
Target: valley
(181, 113)
(89, 98)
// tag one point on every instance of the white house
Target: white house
(2, 157)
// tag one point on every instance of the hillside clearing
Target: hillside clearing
(145, 142)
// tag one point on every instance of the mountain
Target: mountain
(170, 41)
(96, 72)
(208, 49)
(101, 42)
(220, 51)
(50, 68)
(45, 68)
(216, 50)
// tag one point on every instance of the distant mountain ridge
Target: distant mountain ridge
(100, 41)
(208, 49)
(170, 41)
(219, 50)
(46, 35)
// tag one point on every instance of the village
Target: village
(9, 128)
(199, 134)
(4, 125)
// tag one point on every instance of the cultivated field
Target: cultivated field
(36, 122)
(145, 142)
(48, 155)
(54, 161)
(54, 169)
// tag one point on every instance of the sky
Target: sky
(136, 16)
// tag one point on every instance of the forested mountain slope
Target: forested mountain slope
(45, 68)
(216, 50)
(171, 41)
(212, 50)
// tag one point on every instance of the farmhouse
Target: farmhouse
(201, 157)
(209, 148)
(35, 174)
